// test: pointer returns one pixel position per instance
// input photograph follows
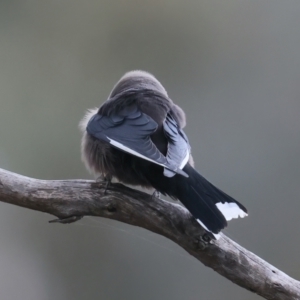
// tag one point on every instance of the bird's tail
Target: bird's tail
(211, 207)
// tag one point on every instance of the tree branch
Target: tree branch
(69, 198)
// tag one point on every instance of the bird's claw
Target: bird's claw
(105, 178)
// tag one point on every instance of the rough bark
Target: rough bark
(76, 198)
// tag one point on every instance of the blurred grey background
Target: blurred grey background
(234, 67)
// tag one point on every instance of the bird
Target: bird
(137, 137)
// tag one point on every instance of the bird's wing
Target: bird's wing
(178, 145)
(130, 131)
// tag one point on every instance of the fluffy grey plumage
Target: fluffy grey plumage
(97, 155)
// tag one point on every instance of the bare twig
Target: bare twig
(72, 199)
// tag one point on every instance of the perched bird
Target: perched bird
(137, 137)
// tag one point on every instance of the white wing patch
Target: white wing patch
(128, 150)
(185, 160)
(217, 236)
(230, 210)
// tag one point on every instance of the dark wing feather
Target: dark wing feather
(178, 145)
(130, 131)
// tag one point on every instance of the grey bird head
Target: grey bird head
(138, 80)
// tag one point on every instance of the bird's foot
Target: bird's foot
(105, 178)
(207, 237)
(202, 241)
(67, 220)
